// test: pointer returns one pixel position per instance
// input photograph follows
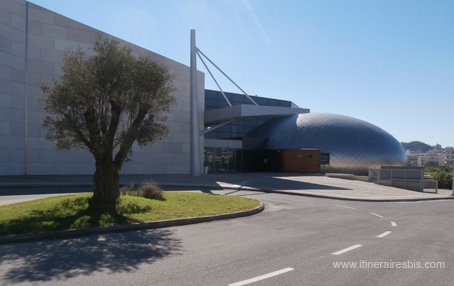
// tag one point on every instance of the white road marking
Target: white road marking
(346, 249)
(262, 277)
(393, 224)
(384, 234)
(345, 207)
(377, 215)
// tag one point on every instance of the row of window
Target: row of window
(215, 99)
(238, 129)
(234, 130)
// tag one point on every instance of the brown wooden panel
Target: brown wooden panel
(301, 161)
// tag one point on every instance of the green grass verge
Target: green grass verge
(72, 211)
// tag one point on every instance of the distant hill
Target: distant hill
(417, 146)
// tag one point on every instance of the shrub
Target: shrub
(150, 190)
(127, 190)
(442, 174)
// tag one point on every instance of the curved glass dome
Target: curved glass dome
(354, 145)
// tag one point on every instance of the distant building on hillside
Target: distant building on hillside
(436, 158)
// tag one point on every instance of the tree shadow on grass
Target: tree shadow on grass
(62, 259)
(80, 212)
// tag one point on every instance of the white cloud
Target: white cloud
(257, 21)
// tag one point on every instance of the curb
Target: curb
(72, 233)
(351, 199)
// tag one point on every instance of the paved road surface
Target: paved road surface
(23, 194)
(318, 185)
(291, 243)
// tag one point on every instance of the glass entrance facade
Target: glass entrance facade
(222, 159)
(240, 128)
(230, 159)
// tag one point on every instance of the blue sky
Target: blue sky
(389, 62)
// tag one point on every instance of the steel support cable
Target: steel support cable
(231, 80)
(212, 128)
(212, 76)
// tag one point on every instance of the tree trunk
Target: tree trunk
(106, 180)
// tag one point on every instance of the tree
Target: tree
(104, 104)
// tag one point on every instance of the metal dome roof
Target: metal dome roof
(354, 145)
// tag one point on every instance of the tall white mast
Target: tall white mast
(196, 160)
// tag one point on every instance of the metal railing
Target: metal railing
(400, 177)
(431, 184)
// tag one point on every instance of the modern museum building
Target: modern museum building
(237, 132)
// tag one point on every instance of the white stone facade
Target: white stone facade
(33, 41)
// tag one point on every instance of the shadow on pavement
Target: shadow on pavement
(63, 259)
(264, 180)
(273, 181)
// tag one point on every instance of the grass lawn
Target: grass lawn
(72, 211)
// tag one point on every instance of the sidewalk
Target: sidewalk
(295, 184)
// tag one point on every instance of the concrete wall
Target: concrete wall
(32, 44)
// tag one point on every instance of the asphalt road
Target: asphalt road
(22, 194)
(291, 243)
